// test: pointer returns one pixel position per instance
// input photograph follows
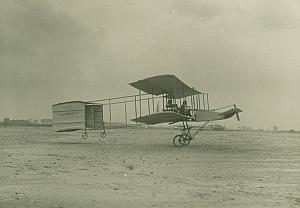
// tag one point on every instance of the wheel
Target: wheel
(176, 140)
(84, 135)
(102, 134)
(188, 139)
(185, 139)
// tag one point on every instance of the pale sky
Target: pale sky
(243, 52)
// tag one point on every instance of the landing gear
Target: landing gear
(84, 135)
(186, 137)
(176, 140)
(103, 134)
(182, 140)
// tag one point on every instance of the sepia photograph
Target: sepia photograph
(139, 103)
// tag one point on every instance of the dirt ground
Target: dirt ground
(141, 168)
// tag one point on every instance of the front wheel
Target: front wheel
(185, 139)
(176, 140)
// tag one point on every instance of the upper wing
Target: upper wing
(165, 84)
(162, 117)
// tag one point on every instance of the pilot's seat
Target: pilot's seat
(170, 106)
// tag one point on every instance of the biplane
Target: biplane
(176, 92)
(174, 100)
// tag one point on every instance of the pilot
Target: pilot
(183, 109)
(171, 106)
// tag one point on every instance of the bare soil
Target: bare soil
(141, 168)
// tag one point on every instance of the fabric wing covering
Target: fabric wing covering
(162, 117)
(165, 84)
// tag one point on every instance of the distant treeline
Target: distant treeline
(26, 124)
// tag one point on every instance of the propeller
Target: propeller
(237, 111)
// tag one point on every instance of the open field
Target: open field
(141, 168)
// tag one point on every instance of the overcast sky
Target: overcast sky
(243, 52)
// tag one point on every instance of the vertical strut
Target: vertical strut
(152, 103)
(149, 106)
(135, 110)
(194, 105)
(203, 101)
(207, 101)
(183, 93)
(198, 101)
(199, 98)
(163, 105)
(140, 97)
(197, 104)
(109, 106)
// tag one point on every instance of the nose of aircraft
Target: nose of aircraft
(238, 110)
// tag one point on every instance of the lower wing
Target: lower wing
(162, 117)
(204, 115)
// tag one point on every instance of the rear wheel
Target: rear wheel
(84, 135)
(103, 134)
